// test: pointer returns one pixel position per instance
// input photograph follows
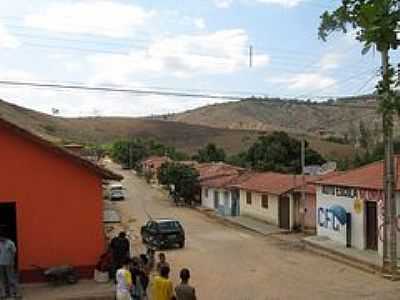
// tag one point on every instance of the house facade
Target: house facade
(269, 197)
(350, 208)
(50, 203)
(215, 193)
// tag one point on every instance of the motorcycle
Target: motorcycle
(59, 274)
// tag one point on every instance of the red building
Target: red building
(51, 202)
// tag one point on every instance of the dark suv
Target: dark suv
(163, 233)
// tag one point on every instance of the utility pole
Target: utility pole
(303, 189)
(390, 219)
(250, 56)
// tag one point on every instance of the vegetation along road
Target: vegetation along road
(234, 264)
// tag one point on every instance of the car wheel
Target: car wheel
(182, 244)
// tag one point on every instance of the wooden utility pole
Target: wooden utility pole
(390, 218)
(303, 189)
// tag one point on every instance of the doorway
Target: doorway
(235, 203)
(8, 221)
(372, 225)
(284, 212)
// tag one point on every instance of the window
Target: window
(264, 201)
(206, 193)
(248, 198)
(328, 190)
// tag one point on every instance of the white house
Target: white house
(270, 197)
(350, 208)
(215, 193)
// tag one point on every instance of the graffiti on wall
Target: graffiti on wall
(332, 217)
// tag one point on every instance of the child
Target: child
(124, 281)
(162, 262)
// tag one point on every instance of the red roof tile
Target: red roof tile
(269, 182)
(211, 170)
(368, 177)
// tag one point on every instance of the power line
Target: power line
(162, 93)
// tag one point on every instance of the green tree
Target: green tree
(185, 179)
(210, 153)
(281, 153)
(129, 152)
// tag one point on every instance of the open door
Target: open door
(372, 225)
(284, 212)
(8, 221)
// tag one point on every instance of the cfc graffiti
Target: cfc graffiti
(332, 217)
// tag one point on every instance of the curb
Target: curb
(342, 258)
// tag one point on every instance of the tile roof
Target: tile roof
(102, 172)
(269, 182)
(211, 170)
(368, 177)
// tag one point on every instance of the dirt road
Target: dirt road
(228, 263)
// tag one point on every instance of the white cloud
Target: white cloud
(199, 23)
(221, 52)
(306, 81)
(330, 61)
(7, 40)
(223, 3)
(105, 18)
(285, 3)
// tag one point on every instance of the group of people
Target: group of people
(139, 276)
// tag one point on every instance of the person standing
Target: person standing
(8, 276)
(162, 262)
(161, 287)
(124, 281)
(120, 249)
(184, 291)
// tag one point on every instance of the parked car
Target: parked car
(116, 192)
(163, 233)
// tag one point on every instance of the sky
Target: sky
(196, 46)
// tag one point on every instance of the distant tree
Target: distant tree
(129, 152)
(279, 152)
(211, 153)
(184, 179)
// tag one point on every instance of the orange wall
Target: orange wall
(59, 204)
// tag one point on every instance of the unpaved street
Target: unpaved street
(234, 264)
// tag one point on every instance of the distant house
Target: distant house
(350, 207)
(152, 164)
(51, 203)
(215, 194)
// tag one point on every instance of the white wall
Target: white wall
(358, 226)
(207, 201)
(270, 215)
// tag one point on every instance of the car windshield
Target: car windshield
(168, 226)
(116, 188)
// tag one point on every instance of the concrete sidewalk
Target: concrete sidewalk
(363, 259)
(246, 222)
(255, 225)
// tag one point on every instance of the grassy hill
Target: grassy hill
(185, 137)
(290, 115)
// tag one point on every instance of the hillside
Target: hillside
(184, 137)
(290, 115)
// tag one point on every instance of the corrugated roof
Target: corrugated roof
(368, 177)
(103, 172)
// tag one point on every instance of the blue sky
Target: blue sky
(175, 45)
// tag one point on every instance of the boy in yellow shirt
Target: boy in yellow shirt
(162, 288)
